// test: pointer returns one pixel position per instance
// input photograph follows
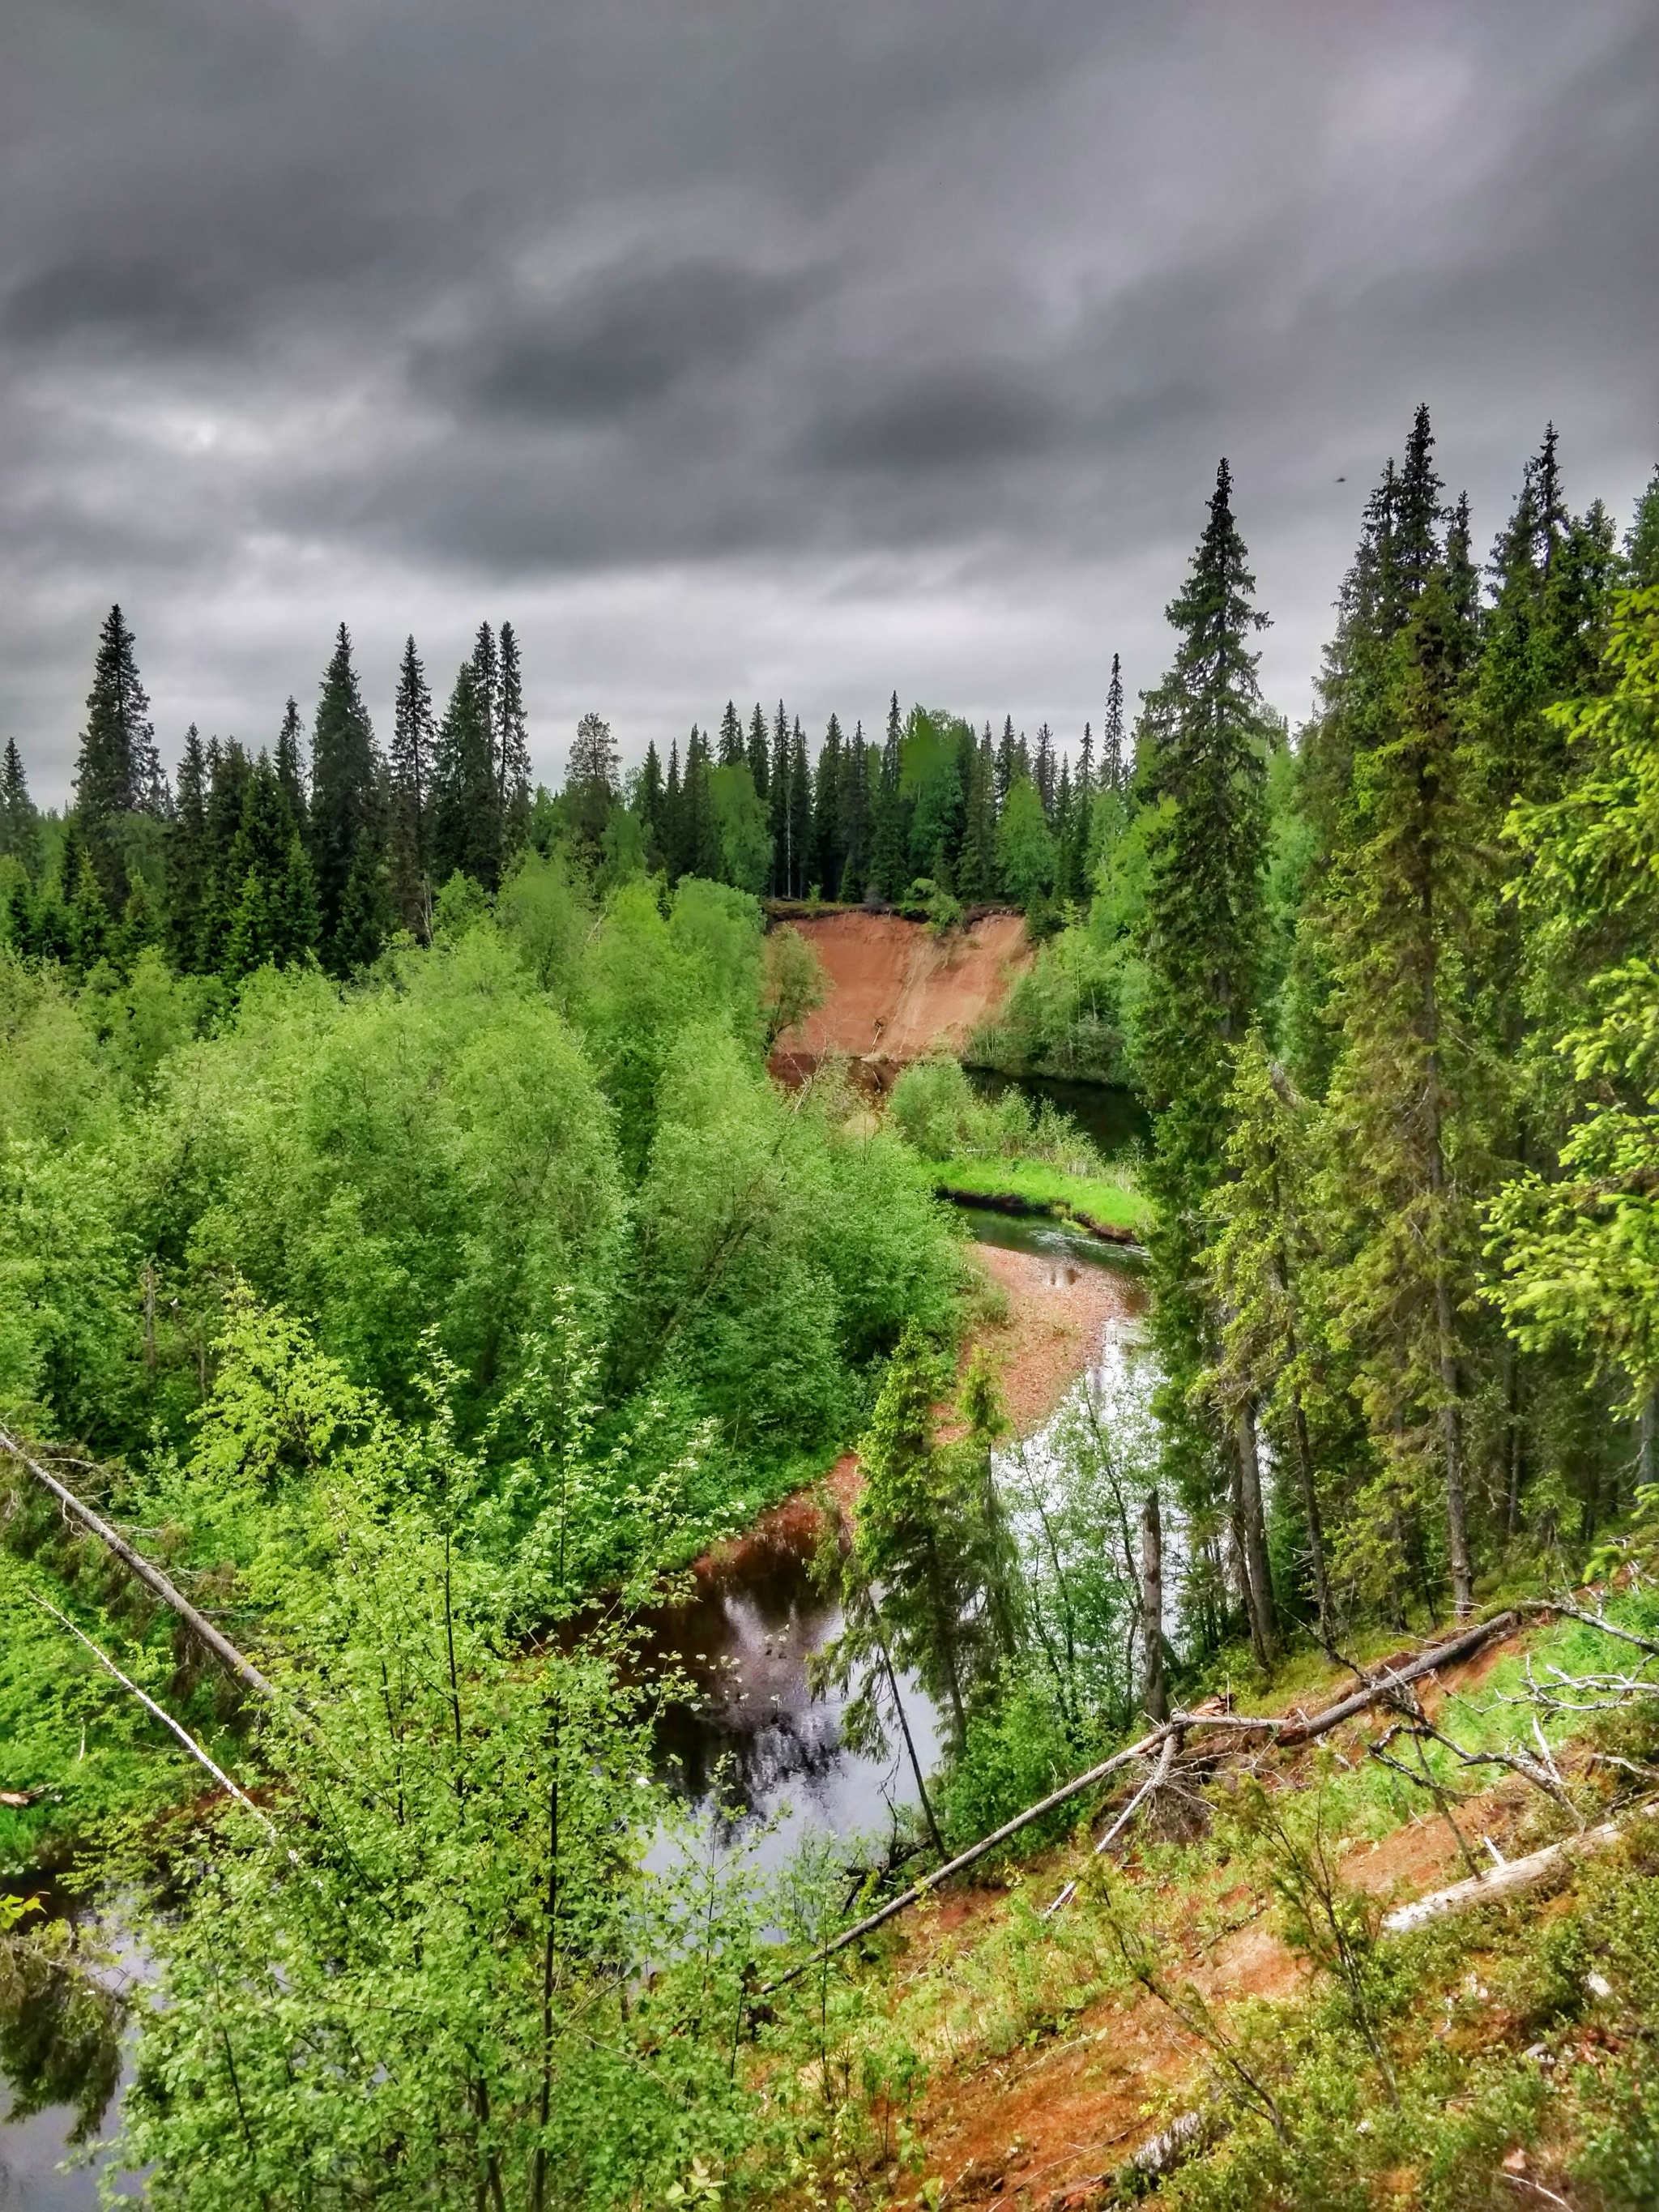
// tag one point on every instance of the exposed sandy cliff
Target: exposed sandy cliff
(897, 992)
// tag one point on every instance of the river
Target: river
(753, 1747)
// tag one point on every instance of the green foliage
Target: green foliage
(361, 1989)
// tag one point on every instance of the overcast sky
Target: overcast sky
(750, 347)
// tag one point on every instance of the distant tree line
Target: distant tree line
(248, 858)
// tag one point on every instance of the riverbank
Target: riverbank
(1058, 1307)
(1105, 1205)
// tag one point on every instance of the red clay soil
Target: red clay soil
(1058, 1310)
(1034, 2130)
(897, 992)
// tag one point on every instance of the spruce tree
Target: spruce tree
(759, 762)
(466, 804)
(651, 805)
(828, 848)
(272, 904)
(928, 1537)
(19, 822)
(1114, 767)
(702, 830)
(290, 764)
(779, 807)
(1265, 1278)
(117, 773)
(188, 870)
(512, 751)
(229, 772)
(1042, 770)
(976, 864)
(347, 830)
(409, 829)
(800, 810)
(1005, 768)
(890, 830)
(731, 744)
(856, 819)
(1642, 540)
(1411, 1105)
(1201, 940)
(673, 815)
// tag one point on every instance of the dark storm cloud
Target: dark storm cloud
(955, 419)
(616, 341)
(753, 345)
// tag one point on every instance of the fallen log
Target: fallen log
(1470, 1639)
(160, 1713)
(1286, 1730)
(1492, 1886)
(145, 1570)
(929, 1882)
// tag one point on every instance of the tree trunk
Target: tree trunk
(1253, 1531)
(1155, 1697)
(1322, 1588)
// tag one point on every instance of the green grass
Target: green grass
(1119, 1204)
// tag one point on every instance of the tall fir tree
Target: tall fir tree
(1042, 770)
(759, 756)
(1201, 940)
(702, 841)
(188, 860)
(1114, 767)
(732, 748)
(19, 821)
(1006, 770)
(290, 764)
(675, 840)
(889, 877)
(1642, 539)
(652, 803)
(856, 819)
(465, 811)
(410, 783)
(779, 809)
(117, 773)
(511, 750)
(347, 826)
(273, 893)
(829, 848)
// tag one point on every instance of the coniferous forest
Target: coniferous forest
(404, 1247)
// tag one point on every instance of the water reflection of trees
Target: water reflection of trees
(63, 2011)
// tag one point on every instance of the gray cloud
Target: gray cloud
(615, 342)
(959, 418)
(743, 348)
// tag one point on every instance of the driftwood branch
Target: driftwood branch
(160, 1712)
(1501, 1881)
(1155, 1781)
(145, 1569)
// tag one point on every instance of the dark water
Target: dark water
(752, 1742)
(34, 2147)
(1111, 1118)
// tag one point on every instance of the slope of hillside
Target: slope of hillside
(897, 992)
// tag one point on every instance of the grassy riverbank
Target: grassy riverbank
(1110, 1200)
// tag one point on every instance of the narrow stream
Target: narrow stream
(754, 1744)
